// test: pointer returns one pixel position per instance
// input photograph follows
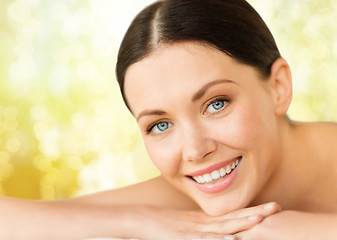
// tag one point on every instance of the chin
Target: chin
(226, 203)
(218, 211)
(218, 207)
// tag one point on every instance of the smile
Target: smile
(217, 177)
(217, 174)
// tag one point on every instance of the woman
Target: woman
(210, 92)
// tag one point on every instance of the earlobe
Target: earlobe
(281, 83)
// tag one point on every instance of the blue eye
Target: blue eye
(159, 127)
(216, 106)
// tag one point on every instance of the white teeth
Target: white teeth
(208, 178)
(201, 179)
(216, 174)
(222, 172)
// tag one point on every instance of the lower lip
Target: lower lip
(218, 186)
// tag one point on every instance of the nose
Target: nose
(196, 142)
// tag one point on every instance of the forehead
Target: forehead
(179, 68)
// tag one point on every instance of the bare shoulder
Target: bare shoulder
(319, 143)
(322, 138)
(327, 127)
(325, 134)
(154, 192)
(321, 134)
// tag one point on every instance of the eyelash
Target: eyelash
(222, 98)
(152, 125)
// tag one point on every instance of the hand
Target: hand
(293, 225)
(160, 223)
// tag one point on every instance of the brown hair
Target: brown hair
(231, 26)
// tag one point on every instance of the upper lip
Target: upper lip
(212, 168)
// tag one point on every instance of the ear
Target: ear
(281, 84)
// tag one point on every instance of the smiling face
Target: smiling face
(208, 123)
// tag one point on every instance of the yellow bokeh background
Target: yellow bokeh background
(64, 129)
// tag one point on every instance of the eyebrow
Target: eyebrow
(150, 112)
(201, 92)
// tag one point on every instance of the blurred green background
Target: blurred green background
(64, 130)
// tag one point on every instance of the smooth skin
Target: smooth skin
(283, 161)
(199, 136)
(131, 212)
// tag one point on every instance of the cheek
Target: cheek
(239, 129)
(164, 156)
(246, 128)
(253, 130)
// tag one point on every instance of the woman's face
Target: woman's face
(208, 123)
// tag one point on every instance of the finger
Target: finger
(209, 236)
(230, 237)
(231, 226)
(240, 235)
(264, 210)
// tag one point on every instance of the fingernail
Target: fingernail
(229, 237)
(253, 218)
(269, 206)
